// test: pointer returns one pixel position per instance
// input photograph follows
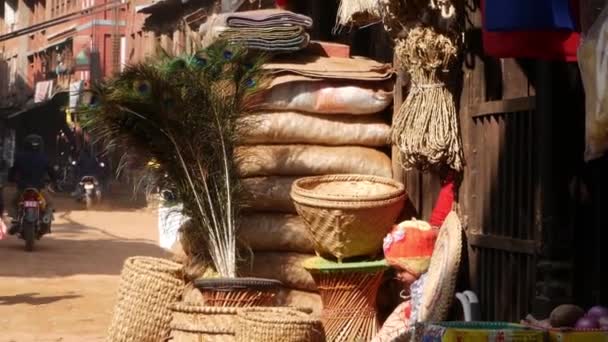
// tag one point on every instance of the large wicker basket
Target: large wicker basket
(265, 324)
(147, 288)
(197, 323)
(348, 215)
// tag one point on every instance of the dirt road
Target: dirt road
(64, 291)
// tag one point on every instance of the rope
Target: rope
(425, 128)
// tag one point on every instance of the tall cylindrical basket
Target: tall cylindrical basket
(148, 286)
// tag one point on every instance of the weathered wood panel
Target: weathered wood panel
(497, 196)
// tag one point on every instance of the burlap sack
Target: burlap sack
(301, 299)
(268, 232)
(305, 160)
(328, 97)
(300, 128)
(268, 194)
(354, 68)
(286, 267)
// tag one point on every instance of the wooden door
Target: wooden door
(501, 194)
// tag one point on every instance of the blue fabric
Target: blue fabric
(524, 15)
(30, 170)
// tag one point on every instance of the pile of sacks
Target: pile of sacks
(272, 30)
(320, 116)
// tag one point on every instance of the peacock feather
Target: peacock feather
(185, 113)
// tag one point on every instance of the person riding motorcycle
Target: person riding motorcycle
(30, 170)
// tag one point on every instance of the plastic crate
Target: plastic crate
(479, 332)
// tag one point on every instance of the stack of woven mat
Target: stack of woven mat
(320, 116)
(269, 30)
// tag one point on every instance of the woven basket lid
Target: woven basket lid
(439, 287)
(319, 264)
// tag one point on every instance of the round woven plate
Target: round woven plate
(440, 283)
(319, 264)
(230, 284)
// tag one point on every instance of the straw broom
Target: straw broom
(426, 127)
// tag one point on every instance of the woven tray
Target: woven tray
(348, 215)
(319, 264)
(278, 325)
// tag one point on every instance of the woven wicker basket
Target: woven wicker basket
(147, 288)
(265, 324)
(196, 323)
(348, 215)
(238, 292)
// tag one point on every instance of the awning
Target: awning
(48, 46)
(151, 7)
(30, 105)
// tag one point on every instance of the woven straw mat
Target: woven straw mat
(278, 325)
(147, 287)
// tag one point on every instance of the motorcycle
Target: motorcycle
(90, 191)
(66, 173)
(32, 220)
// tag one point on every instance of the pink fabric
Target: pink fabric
(2, 229)
(43, 91)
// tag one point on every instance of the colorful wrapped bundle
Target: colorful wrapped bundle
(478, 332)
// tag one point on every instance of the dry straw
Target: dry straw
(426, 127)
(147, 288)
(265, 324)
(357, 12)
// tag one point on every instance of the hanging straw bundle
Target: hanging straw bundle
(426, 128)
(359, 12)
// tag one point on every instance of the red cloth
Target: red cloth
(444, 203)
(281, 3)
(558, 45)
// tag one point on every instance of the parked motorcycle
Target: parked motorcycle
(32, 220)
(90, 191)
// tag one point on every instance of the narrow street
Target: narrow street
(65, 289)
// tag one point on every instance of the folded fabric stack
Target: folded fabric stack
(320, 116)
(269, 30)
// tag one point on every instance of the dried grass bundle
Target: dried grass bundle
(359, 12)
(426, 127)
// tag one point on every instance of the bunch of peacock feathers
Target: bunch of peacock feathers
(183, 114)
